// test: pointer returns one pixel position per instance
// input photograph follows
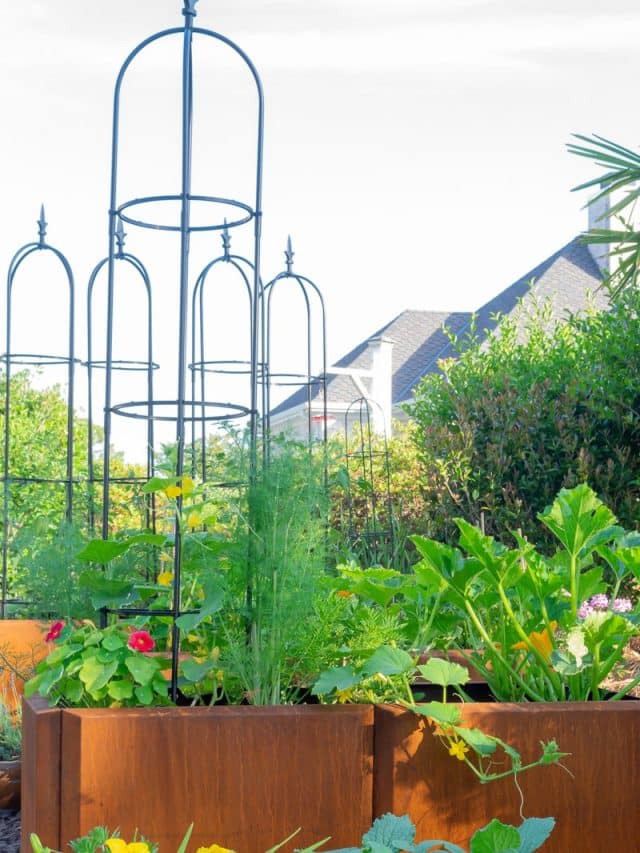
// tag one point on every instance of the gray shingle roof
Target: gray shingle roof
(419, 340)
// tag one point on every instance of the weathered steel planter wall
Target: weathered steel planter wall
(595, 804)
(22, 641)
(246, 776)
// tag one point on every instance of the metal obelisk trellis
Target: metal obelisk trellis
(179, 409)
(190, 409)
(10, 477)
(369, 505)
(147, 366)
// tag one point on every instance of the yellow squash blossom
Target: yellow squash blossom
(215, 848)
(165, 578)
(344, 696)
(193, 519)
(119, 845)
(187, 487)
(457, 749)
(542, 641)
(172, 491)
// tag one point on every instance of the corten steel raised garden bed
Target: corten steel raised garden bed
(596, 808)
(22, 642)
(246, 776)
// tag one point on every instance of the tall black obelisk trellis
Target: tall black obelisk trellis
(180, 408)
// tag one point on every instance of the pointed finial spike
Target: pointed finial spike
(226, 239)
(189, 10)
(42, 226)
(120, 236)
(289, 253)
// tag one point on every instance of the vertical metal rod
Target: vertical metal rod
(185, 220)
(5, 467)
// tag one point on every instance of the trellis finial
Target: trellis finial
(289, 253)
(120, 237)
(189, 10)
(226, 239)
(42, 226)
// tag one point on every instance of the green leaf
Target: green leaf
(496, 837)
(112, 643)
(480, 742)
(95, 675)
(144, 694)
(142, 668)
(196, 671)
(443, 672)
(72, 690)
(105, 592)
(534, 832)
(213, 601)
(433, 846)
(120, 690)
(105, 550)
(337, 678)
(390, 832)
(388, 661)
(447, 714)
(48, 679)
(580, 520)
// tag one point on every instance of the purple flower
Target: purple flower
(585, 610)
(600, 601)
(622, 605)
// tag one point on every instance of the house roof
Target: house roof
(419, 340)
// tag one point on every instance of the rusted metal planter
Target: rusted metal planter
(595, 804)
(22, 643)
(10, 784)
(246, 776)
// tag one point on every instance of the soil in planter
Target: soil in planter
(9, 832)
(476, 691)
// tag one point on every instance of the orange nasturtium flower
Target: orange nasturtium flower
(542, 641)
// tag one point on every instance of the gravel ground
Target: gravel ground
(9, 832)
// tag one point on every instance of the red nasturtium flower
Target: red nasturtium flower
(54, 632)
(141, 641)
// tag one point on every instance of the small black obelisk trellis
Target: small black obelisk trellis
(12, 479)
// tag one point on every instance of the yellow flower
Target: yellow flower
(173, 491)
(542, 641)
(119, 845)
(344, 696)
(187, 485)
(220, 676)
(165, 558)
(165, 578)
(457, 749)
(215, 848)
(193, 519)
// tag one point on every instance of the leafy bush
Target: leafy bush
(536, 408)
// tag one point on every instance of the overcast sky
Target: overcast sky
(415, 149)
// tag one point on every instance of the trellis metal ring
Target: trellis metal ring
(211, 200)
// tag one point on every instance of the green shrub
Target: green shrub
(536, 408)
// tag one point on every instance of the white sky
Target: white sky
(414, 149)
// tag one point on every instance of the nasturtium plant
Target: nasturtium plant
(98, 668)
